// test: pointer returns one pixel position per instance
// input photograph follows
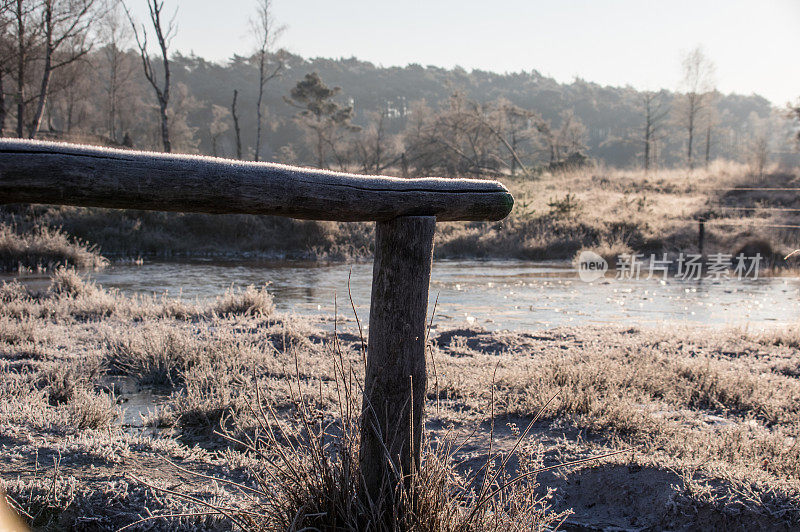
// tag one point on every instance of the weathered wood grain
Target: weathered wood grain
(394, 387)
(69, 174)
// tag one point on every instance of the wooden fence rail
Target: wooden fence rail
(64, 174)
(406, 211)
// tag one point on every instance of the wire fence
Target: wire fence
(751, 189)
(751, 224)
(748, 213)
(776, 209)
(756, 209)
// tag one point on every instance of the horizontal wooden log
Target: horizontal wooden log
(89, 176)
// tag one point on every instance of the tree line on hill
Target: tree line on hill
(87, 70)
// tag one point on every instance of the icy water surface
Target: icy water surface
(494, 294)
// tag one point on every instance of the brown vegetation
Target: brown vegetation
(555, 217)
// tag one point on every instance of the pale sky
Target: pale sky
(754, 44)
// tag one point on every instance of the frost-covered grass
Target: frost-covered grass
(43, 248)
(709, 420)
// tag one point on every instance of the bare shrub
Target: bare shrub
(60, 386)
(80, 298)
(19, 331)
(789, 337)
(211, 393)
(44, 498)
(63, 381)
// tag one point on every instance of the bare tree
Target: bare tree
(182, 133)
(452, 140)
(569, 138)
(757, 155)
(236, 130)
(655, 112)
(511, 125)
(571, 134)
(756, 148)
(550, 138)
(164, 35)
(3, 111)
(65, 26)
(25, 36)
(266, 33)
(5, 57)
(521, 129)
(373, 148)
(67, 105)
(115, 33)
(217, 126)
(418, 115)
(467, 137)
(697, 85)
(709, 117)
(794, 114)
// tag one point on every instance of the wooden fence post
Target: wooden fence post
(394, 388)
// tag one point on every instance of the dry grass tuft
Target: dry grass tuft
(610, 250)
(67, 283)
(43, 248)
(251, 301)
(157, 355)
(63, 381)
(307, 475)
(91, 410)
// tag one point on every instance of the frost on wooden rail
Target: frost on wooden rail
(69, 174)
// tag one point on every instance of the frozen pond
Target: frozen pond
(494, 294)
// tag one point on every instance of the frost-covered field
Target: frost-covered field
(114, 409)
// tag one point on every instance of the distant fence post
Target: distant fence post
(701, 235)
(394, 388)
